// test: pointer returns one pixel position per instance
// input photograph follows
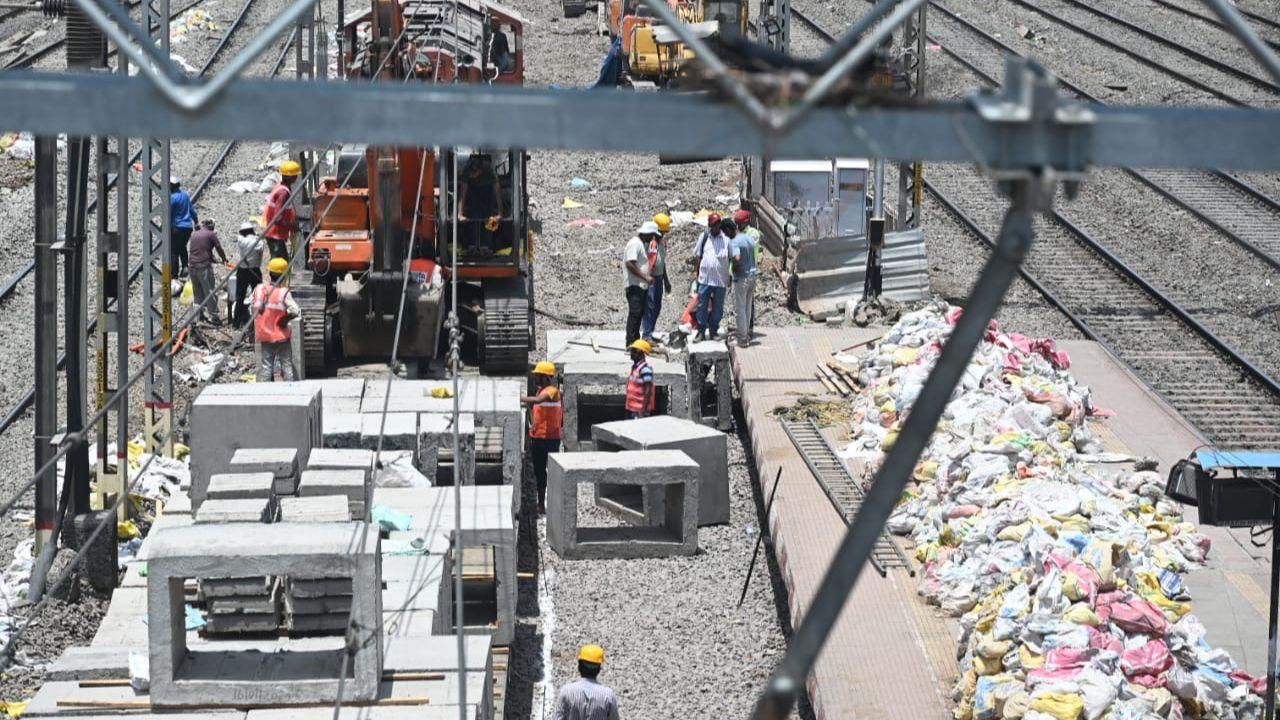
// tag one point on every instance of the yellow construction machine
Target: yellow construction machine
(653, 55)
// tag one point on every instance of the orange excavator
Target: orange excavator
(386, 204)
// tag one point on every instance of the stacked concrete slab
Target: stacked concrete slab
(241, 605)
(225, 418)
(352, 484)
(280, 463)
(677, 534)
(435, 436)
(220, 511)
(340, 459)
(186, 676)
(320, 508)
(644, 504)
(710, 375)
(318, 605)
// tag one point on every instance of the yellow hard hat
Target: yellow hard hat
(544, 367)
(289, 168)
(592, 654)
(663, 221)
(277, 266)
(642, 346)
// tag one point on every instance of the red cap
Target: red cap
(713, 219)
(742, 216)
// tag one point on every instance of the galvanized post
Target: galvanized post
(76, 309)
(46, 321)
(113, 316)
(157, 321)
(1273, 613)
(911, 174)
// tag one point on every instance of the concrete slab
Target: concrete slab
(342, 405)
(706, 446)
(568, 346)
(178, 504)
(376, 712)
(340, 459)
(223, 423)
(678, 533)
(435, 435)
(245, 510)
(241, 486)
(99, 662)
(281, 463)
(55, 699)
(319, 508)
(436, 654)
(399, 431)
(342, 429)
(349, 483)
(236, 587)
(410, 624)
(595, 391)
(122, 626)
(185, 676)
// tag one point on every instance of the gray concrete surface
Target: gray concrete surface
(315, 509)
(353, 484)
(241, 486)
(435, 434)
(240, 510)
(709, 371)
(281, 463)
(342, 429)
(581, 378)
(399, 431)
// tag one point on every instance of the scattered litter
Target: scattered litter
(242, 186)
(126, 530)
(204, 369)
(682, 217)
(440, 392)
(389, 520)
(1066, 577)
(579, 183)
(139, 671)
(586, 223)
(265, 185)
(194, 619)
(182, 63)
(19, 146)
(400, 473)
(727, 199)
(188, 294)
(672, 204)
(414, 546)
(570, 203)
(823, 412)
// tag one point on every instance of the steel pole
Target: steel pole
(1273, 663)
(788, 679)
(74, 268)
(46, 320)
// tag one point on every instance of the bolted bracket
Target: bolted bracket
(1032, 113)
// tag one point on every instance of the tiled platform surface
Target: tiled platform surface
(890, 655)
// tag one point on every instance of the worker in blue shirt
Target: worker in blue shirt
(182, 221)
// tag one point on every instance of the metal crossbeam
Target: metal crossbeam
(406, 114)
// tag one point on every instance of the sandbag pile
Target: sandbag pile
(1066, 575)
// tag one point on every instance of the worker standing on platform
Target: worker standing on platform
(203, 246)
(248, 270)
(273, 307)
(279, 219)
(712, 257)
(742, 256)
(742, 218)
(635, 258)
(584, 698)
(546, 417)
(657, 253)
(182, 222)
(640, 391)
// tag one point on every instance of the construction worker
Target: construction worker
(279, 218)
(546, 416)
(660, 285)
(712, 271)
(182, 222)
(584, 698)
(480, 203)
(742, 260)
(742, 218)
(273, 307)
(640, 399)
(248, 270)
(635, 259)
(203, 246)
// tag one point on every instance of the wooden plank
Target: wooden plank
(826, 383)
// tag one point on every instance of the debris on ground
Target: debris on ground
(824, 413)
(1066, 577)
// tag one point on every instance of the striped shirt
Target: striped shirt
(585, 699)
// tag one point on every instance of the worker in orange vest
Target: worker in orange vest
(279, 219)
(273, 306)
(640, 390)
(546, 418)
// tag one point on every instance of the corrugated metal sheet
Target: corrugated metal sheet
(828, 271)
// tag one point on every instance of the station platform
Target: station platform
(889, 654)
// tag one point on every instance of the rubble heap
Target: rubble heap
(1066, 575)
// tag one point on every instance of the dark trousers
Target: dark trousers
(652, 307)
(178, 250)
(246, 280)
(541, 449)
(278, 248)
(635, 312)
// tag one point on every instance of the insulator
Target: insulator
(86, 45)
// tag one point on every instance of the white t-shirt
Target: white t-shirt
(714, 269)
(637, 253)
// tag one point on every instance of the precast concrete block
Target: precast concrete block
(595, 392)
(241, 486)
(354, 458)
(59, 699)
(221, 424)
(676, 535)
(710, 389)
(575, 346)
(349, 483)
(342, 429)
(190, 676)
(706, 446)
(178, 503)
(316, 509)
(342, 405)
(399, 431)
(281, 463)
(435, 436)
(101, 662)
(245, 510)
(411, 624)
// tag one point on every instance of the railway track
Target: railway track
(1201, 375)
(39, 53)
(25, 402)
(1259, 20)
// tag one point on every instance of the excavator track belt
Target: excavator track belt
(315, 329)
(504, 327)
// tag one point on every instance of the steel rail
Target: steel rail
(1154, 36)
(25, 402)
(1212, 20)
(1142, 176)
(30, 58)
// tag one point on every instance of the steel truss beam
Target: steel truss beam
(398, 114)
(910, 174)
(157, 319)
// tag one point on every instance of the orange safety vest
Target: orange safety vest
(278, 203)
(635, 390)
(271, 320)
(548, 415)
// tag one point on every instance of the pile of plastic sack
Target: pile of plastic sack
(1066, 575)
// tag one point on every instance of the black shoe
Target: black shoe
(699, 336)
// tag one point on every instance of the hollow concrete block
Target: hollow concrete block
(435, 434)
(281, 463)
(581, 378)
(709, 373)
(706, 446)
(676, 535)
(340, 459)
